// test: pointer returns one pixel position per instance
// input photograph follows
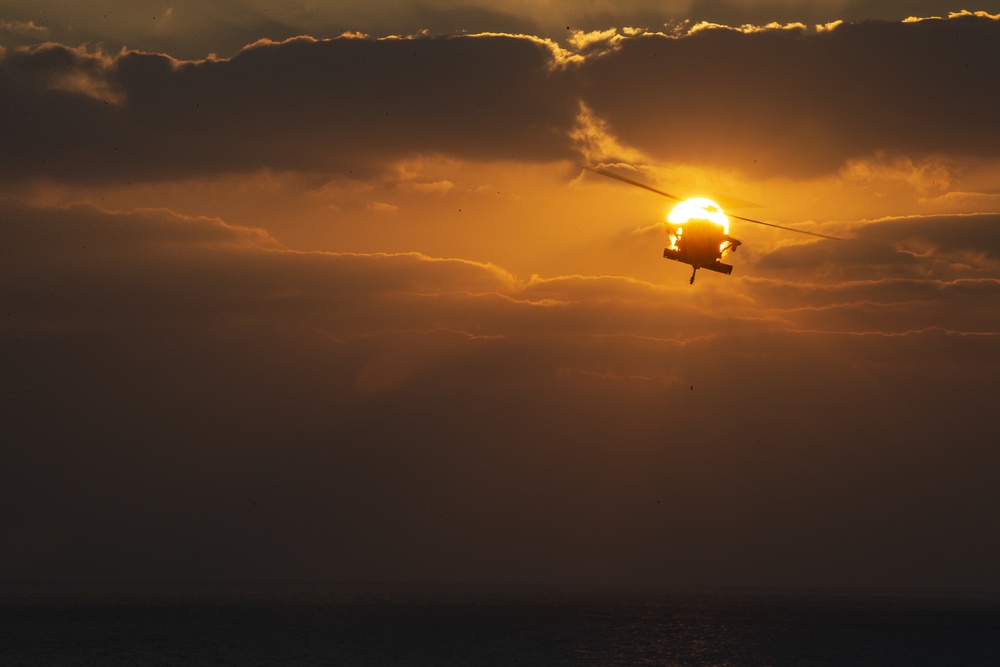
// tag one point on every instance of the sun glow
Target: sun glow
(699, 208)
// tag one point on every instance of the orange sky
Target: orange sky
(348, 309)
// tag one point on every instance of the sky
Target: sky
(321, 292)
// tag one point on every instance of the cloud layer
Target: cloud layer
(188, 29)
(793, 101)
(796, 101)
(344, 310)
(186, 404)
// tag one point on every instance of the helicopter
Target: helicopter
(698, 229)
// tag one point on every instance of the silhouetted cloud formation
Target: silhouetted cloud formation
(336, 105)
(796, 101)
(777, 101)
(189, 29)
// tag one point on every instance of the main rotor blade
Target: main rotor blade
(623, 179)
(789, 229)
(631, 182)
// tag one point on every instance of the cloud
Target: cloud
(79, 267)
(81, 260)
(382, 207)
(940, 246)
(86, 261)
(171, 382)
(775, 101)
(72, 228)
(338, 105)
(192, 30)
(943, 235)
(801, 102)
(20, 33)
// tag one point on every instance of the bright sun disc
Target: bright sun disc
(699, 208)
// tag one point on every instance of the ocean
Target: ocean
(349, 626)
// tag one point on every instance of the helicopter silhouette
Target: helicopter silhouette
(699, 230)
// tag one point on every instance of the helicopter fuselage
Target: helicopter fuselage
(702, 244)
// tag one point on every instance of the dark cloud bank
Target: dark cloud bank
(778, 101)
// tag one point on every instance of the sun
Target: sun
(699, 208)
(696, 210)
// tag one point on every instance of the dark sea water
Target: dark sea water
(338, 625)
